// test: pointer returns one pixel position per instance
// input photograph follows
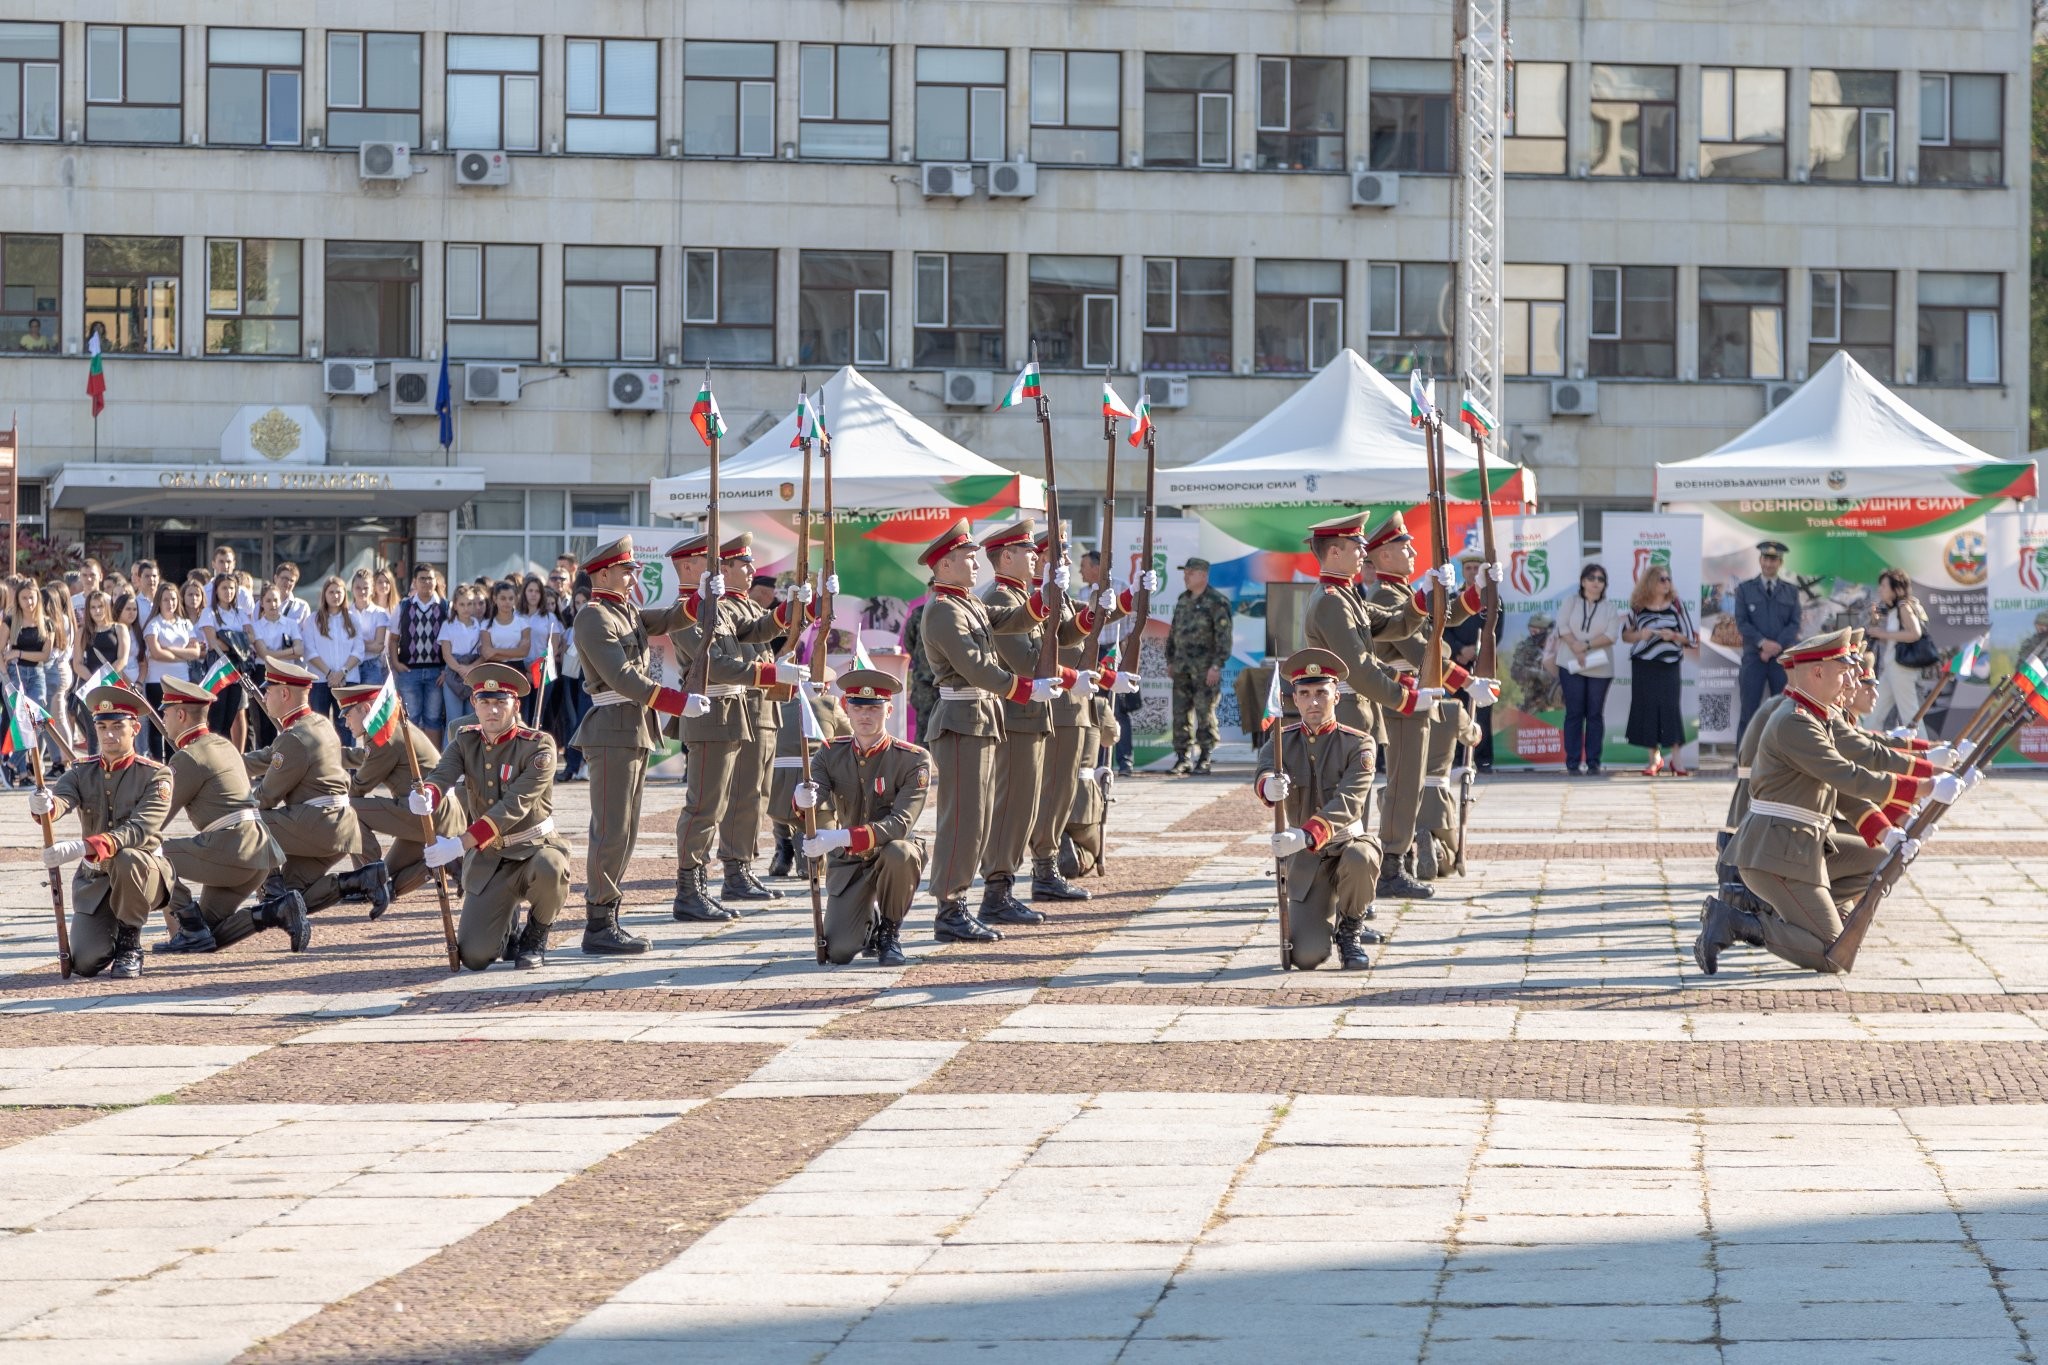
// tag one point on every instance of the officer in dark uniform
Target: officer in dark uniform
(1767, 614)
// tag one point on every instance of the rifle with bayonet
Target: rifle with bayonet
(1487, 660)
(1091, 648)
(806, 717)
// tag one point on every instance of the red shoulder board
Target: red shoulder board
(525, 732)
(1350, 730)
(840, 739)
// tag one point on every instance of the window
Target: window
(252, 296)
(1852, 311)
(1301, 114)
(612, 83)
(608, 302)
(493, 302)
(510, 533)
(1187, 110)
(1408, 319)
(253, 79)
(1073, 311)
(1537, 95)
(842, 101)
(493, 93)
(1412, 127)
(961, 92)
(1742, 123)
(131, 286)
(1962, 129)
(1532, 320)
(1187, 313)
(30, 61)
(373, 300)
(842, 308)
(729, 306)
(1633, 322)
(373, 88)
(1742, 323)
(1958, 329)
(956, 306)
(30, 273)
(1297, 315)
(134, 84)
(1077, 108)
(728, 99)
(1635, 120)
(1849, 124)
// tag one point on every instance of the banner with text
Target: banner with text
(2016, 548)
(1541, 558)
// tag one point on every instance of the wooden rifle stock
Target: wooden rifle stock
(1439, 532)
(35, 758)
(1489, 591)
(1141, 596)
(1055, 549)
(1091, 648)
(427, 836)
(810, 815)
(1280, 824)
(709, 608)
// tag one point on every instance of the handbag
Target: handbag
(1595, 658)
(1920, 653)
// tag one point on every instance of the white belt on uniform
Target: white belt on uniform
(963, 693)
(1438, 782)
(610, 699)
(1354, 830)
(790, 762)
(718, 690)
(324, 802)
(246, 815)
(1797, 814)
(1742, 774)
(529, 834)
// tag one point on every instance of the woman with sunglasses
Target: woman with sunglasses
(1587, 625)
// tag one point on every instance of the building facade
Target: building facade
(1703, 204)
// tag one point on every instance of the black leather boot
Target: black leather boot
(1351, 954)
(742, 885)
(889, 945)
(371, 883)
(1181, 767)
(784, 860)
(692, 903)
(1048, 884)
(193, 935)
(126, 962)
(287, 912)
(1069, 863)
(998, 906)
(602, 936)
(1396, 882)
(531, 947)
(1201, 768)
(1721, 926)
(954, 925)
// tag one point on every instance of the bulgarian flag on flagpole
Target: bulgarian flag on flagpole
(1421, 398)
(221, 676)
(1112, 402)
(808, 428)
(380, 727)
(1271, 716)
(106, 677)
(22, 716)
(2032, 681)
(1141, 420)
(861, 657)
(1026, 385)
(704, 413)
(1973, 660)
(96, 382)
(1473, 414)
(541, 671)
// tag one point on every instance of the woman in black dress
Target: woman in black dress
(1658, 632)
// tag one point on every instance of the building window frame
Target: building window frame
(1934, 150)
(641, 296)
(1432, 352)
(738, 91)
(699, 326)
(1313, 318)
(866, 310)
(1177, 344)
(1831, 315)
(1211, 126)
(1515, 144)
(268, 75)
(1864, 114)
(362, 108)
(234, 316)
(981, 102)
(1762, 330)
(1086, 314)
(1530, 310)
(504, 77)
(579, 123)
(1667, 110)
(397, 290)
(1625, 307)
(153, 290)
(1411, 130)
(808, 115)
(14, 321)
(1276, 142)
(935, 324)
(1061, 122)
(1982, 334)
(51, 79)
(123, 83)
(1724, 109)
(501, 316)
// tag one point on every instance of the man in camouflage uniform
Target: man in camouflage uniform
(924, 692)
(1196, 651)
(375, 766)
(302, 790)
(1540, 689)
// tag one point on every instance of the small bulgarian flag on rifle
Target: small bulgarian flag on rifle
(1113, 403)
(380, 726)
(105, 677)
(704, 413)
(1141, 420)
(221, 676)
(1274, 710)
(1473, 414)
(1973, 660)
(2032, 681)
(808, 427)
(1026, 385)
(23, 715)
(541, 671)
(1421, 398)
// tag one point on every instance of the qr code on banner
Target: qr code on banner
(1714, 717)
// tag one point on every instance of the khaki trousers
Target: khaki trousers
(1324, 886)
(126, 889)
(225, 879)
(1407, 760)
(617, 777)
(1804, 921)
(739, 833)
(1019, 769)
(313, 840)
(405, 858)
(858, 889)
(1438, 810)
(491, 895)
(1063, 763)
(708, 788)
(965, 771)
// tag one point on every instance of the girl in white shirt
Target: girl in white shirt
(224, 611)
(170, 643)
(375, 624)
(506, 633)
(461, 642)
(333, 646)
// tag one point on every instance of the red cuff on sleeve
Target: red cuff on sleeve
(766, 676)
(1409, 696)
(863, 839)
(1126, 602)
(1020, 691)
(1872, 828)
(1905, 791)
(1037, 604)
(433, 794)
(1069, 677)
(1471, 598)
(1921, 770)
(668, 701)
(1456, 677)
(482, 831)
(1085, 618)
(688, 602)
(1897, 811)
(101, 847)
(1918, 746)
(1422, 602)
(1317, 829)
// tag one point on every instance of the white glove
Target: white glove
(41, 803)
(1273, 787)
(1941, 756)
(1289, 842)
(1149, 580)
(1106, 601)
(1964, 748)
(419, 802)
(1061, 576)
(1948, 788)
(1899, 732)
(825, 840)
(1426, 699)
(832, 584)
(714, 585)
(1971, 778)
(782, 593)
(1426, 581)
(1045, 689)
(1492, 571)
(1102, 775)
(1447, 574)
(803, 592)
(1084, 686)
(444, 850)
(787, 668)
(806, 797)
(695, 704)
(1895, 839)
(63, 851)
(1485, 692)
(1127, 683)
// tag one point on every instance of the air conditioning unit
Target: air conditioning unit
(384, 161)
(1774, 394)
(947, 179)
(483, 168)
(1012, 180)
(412, 387)
(351, 376)
(970, 388)
(634, 390)
(1574, 398)
(1165, 390)
(490, 383)
(1375, 189)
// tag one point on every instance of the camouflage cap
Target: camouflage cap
(1194, 562)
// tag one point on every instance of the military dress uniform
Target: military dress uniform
(1071, 752)
(876, 797)
(384, 766)
(302, 790)
(231, 854)
(1081, 848)
(1331, 881)
(1765, 609)
(615, 736)
(790, 743)
(123, 877)
(510, 782)
(1198, 642)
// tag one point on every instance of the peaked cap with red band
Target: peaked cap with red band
(1388, 531)
(179, 692)
(619, 551)
(288, 673)
(740, 546)
(351, 694)
(105, 701)
(1015, 533)
(498, 680)
(951, 539)
(1834, 644)
(1350, 526)
(1312, 665)
(692, 547)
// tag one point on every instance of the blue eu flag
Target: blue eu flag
(444, 405)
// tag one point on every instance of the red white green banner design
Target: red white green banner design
(380, 726)
(2016, 590)
(1540, 557)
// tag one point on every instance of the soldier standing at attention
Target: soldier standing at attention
(232, 854)
(1324, 778)
(758, 630)
(302, 790)
(616, 734)
(383, 765)
(121, 799)
(1196, 651)
(1767, 614)
(873, 860)
(507, 775)
(967, 724)
(717, 734)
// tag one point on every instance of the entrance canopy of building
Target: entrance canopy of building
(1343, 437)
(211, 490)
(883, 459)
(1843, 435)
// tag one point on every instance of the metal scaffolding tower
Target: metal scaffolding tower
(1480, 42)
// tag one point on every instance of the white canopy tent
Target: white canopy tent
(1343, 437)
(883, 459)
(1842, 435)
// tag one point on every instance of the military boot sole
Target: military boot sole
(973, 931)
(1708, 959)
(297, 923)
(125, 967)
(613, 943)
(186, 941)
(739, 891)
(1353, 962)
(701, 914)
(1403, 888)
(1012, 911)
